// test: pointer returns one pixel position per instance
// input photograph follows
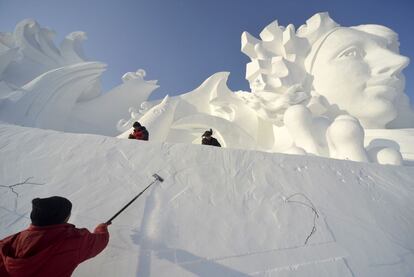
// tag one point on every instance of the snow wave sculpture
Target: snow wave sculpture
(315, 90)
(45, 86)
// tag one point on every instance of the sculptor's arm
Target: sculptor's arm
(93, 243)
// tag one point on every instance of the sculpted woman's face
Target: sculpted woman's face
(357, 73)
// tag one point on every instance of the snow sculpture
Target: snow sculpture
(101, 114)
(51, 87)
(313, 91)
(354, 70)
(316, 90)
(157, 121)
(35, 53)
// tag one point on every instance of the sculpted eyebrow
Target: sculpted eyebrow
(349, 44)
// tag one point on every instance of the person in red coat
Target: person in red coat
(50, 246)
(140, 132)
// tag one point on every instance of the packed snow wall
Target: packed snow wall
(219, 212)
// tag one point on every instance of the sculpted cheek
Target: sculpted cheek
(342, 76)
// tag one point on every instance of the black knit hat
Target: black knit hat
(208, 133)
(136, 124)
(50, 211)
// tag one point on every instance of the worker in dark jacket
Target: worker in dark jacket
(140, 132)
(50, 246)
(208, 139)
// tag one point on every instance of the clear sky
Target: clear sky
(182, 42)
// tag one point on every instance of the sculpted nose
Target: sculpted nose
(390, 63)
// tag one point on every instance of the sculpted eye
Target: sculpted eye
(352, 52)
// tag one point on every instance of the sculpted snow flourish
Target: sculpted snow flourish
(315, 90)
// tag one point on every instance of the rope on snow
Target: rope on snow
(310, 206)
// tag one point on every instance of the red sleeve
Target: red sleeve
(3, 242)
(93, 243)
(3, 271)
(139, 135)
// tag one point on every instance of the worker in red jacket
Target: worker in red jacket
(50, 246)
(139, 133)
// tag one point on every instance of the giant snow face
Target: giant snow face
(360, 74)
(348, 70)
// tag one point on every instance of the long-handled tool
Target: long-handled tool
(157, 177)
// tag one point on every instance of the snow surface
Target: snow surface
(219, 212)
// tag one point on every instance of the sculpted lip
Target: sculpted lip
(386, 88)
(391, 82)
(383, 91)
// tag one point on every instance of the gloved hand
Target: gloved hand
(102, 227)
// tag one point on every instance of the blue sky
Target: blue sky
(182, 42)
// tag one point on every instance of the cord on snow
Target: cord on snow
(310, 206)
